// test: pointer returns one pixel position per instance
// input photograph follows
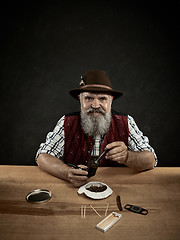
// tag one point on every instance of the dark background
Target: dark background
(46, 47)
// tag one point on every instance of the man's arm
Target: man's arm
(57, 168)
(139, 161)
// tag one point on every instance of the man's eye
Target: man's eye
(88, 98)
(103, 99)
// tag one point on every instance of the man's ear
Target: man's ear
(79, 97)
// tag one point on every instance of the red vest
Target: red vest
(78, 145)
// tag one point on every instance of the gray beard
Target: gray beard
(95, 125)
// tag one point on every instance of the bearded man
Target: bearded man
(79, 136)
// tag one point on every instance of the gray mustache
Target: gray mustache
(96, 110)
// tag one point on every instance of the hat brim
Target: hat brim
(75, 92)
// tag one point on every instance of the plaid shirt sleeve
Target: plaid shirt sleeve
(137, 141)
(54, 143)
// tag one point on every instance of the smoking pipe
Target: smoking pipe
(93, 165)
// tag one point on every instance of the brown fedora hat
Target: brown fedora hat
(95, 81)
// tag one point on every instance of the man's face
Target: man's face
(95, 113)
(95, 101)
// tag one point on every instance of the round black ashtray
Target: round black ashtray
(39, 196)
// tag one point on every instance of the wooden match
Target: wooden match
(106, 209)
(84, 211)
(95, 210)
(81, 211)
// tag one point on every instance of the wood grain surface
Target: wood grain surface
(60, 218)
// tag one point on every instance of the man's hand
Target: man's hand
(118, 152)
(57, 168)
(78, 177)
(139, 161)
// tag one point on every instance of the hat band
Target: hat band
(96, 85)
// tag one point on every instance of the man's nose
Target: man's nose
(95, 103)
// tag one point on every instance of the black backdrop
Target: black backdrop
(46, 47)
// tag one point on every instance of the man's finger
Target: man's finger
(79, 172)
(115, 144)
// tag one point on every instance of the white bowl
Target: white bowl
(95, 195)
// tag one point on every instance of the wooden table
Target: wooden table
(156, 190)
